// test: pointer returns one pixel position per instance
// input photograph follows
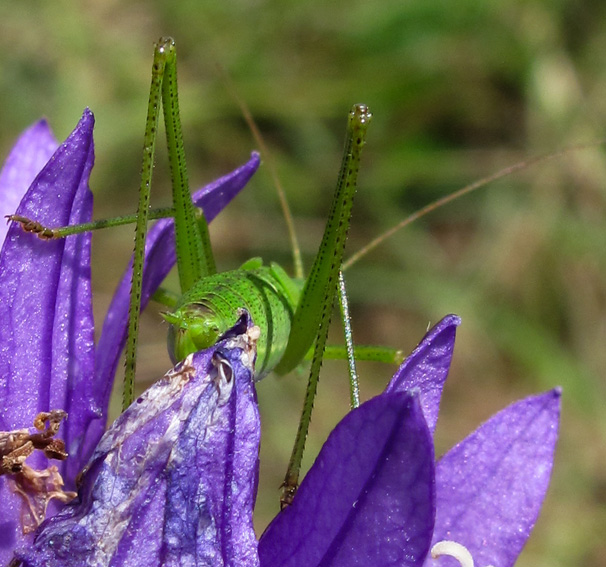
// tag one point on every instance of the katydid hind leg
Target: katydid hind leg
(53, 233)
(313, 314)
(151, 127)
(321, 285)
(194, 255)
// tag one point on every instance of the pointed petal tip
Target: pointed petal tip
(80, 143)
(449, 323)
(450, 320)
(254, 162)
(551, 399)
(41, 128)
(87, 121)
(427, 366)
(557, 393)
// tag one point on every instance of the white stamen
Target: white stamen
(453, 549)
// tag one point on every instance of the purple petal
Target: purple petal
(159, 259)
(46, 325)
(173, 481)
(426, 368)
(29, 155)
(491, 485)
(369, 497)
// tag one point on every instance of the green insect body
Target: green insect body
(289, 317)
(212, 306)
(293, 316)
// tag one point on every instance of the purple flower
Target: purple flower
(374, 498)
(173, 481)
(48, 360)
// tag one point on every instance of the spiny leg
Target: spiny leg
(194, 255)
(195, 259)
(324, 272)
(367, 353)
(149, 142)
(312, 317)
(50, 233)
(354, 386)
(348, 352)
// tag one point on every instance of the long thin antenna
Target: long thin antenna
(460, 193)
(271, 165)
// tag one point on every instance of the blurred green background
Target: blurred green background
(458, 90)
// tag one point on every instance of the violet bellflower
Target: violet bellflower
(367, 501)
(48, 360)
(173, 481)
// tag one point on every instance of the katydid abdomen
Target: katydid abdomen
(213, 306)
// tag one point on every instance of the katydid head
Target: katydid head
(193, 327)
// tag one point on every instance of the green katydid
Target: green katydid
(292, 318)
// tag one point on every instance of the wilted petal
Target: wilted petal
(426, 368)
(173, 481)
(46, 326)
(29, 155)
(490, 487)
(159, 260)
(369, 497)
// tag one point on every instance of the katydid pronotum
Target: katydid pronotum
(296, 317)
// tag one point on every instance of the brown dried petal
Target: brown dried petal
(38, 488)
